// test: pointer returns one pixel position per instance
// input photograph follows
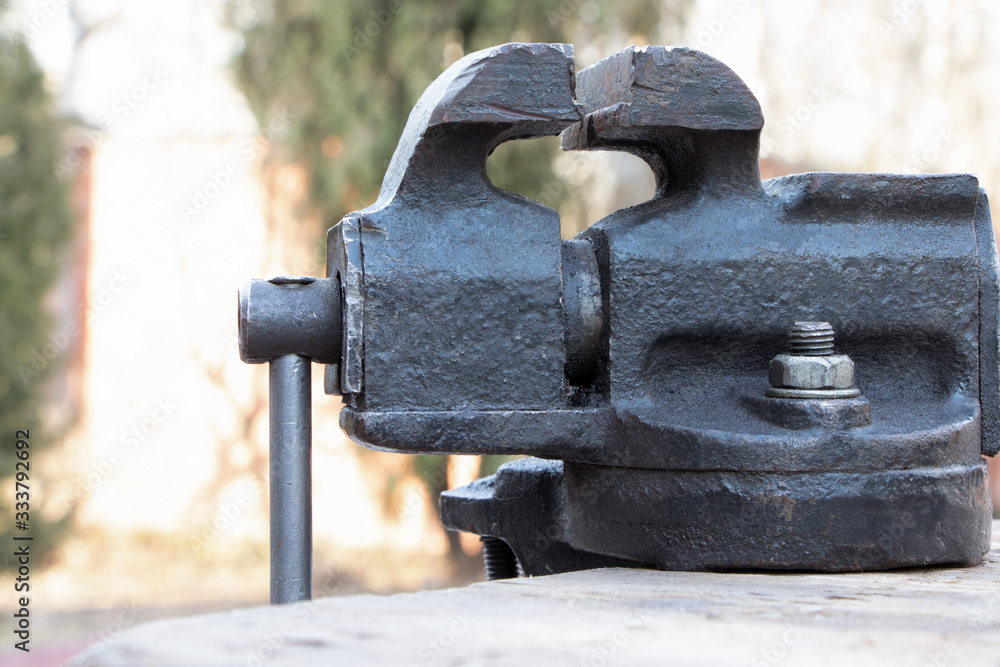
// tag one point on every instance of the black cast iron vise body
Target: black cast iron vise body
(672, 371)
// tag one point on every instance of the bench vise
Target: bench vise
(800, 373)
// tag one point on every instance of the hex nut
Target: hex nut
(835, 371)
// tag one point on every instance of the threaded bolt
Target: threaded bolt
(811, 339)
(811, 370)
(499, 558)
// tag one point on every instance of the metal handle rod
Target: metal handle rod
(291, 478)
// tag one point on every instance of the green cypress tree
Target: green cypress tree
(34, 226)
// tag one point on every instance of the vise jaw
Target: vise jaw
(632, 362)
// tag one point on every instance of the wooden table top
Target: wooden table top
(934, 617)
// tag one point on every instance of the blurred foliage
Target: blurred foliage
(34, 226)
(347, 73)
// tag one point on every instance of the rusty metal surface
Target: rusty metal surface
(290, 315)
(560, 516)
(636, 356)
(462, 285)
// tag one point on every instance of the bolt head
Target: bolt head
(835, 371)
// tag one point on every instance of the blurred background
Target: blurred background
(155, 155)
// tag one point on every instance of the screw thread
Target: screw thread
(499, 558)
(811, 339)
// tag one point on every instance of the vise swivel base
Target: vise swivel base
(672, 371)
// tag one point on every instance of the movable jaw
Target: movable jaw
(467, 320)
(690, 117)
(637, 356)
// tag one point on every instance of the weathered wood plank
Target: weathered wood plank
(940, 616)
